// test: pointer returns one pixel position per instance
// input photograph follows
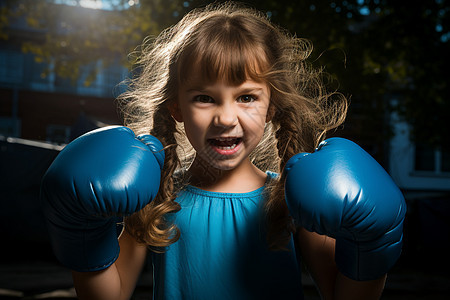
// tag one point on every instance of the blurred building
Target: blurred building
(46, 107)
(38, 116)
(423, 174)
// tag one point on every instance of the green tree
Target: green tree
(68, 37)
(378, 50)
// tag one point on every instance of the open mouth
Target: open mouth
(225, 144)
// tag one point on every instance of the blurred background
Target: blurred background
(62, 62)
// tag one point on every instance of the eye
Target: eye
(203, 99)
(247, 98)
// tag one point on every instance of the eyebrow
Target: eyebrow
(241, 91)
(251, 90)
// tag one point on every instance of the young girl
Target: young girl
(231, 98)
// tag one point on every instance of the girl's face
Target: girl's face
(223, 122)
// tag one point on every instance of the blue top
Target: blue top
(222, 251)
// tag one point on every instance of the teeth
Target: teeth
(225, 143)
(227, 148)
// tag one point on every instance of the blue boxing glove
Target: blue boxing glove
(341, 191)
(95, 180)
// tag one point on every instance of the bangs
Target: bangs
(222, 53)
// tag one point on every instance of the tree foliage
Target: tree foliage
(378, 50)
(381, 50)
(68, 37)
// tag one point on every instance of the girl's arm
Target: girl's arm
(119, 280)
(317, 252)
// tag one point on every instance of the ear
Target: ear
(175, 111)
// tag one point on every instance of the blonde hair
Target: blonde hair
(231, 42)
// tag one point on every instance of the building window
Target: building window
(425, 158)
(432, 161)
(38, 76)
(11, 67)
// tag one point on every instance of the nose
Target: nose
(226, 116)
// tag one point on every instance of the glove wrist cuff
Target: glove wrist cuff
(87, 250)
(360, 262)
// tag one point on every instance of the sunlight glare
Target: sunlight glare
(94, 4)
